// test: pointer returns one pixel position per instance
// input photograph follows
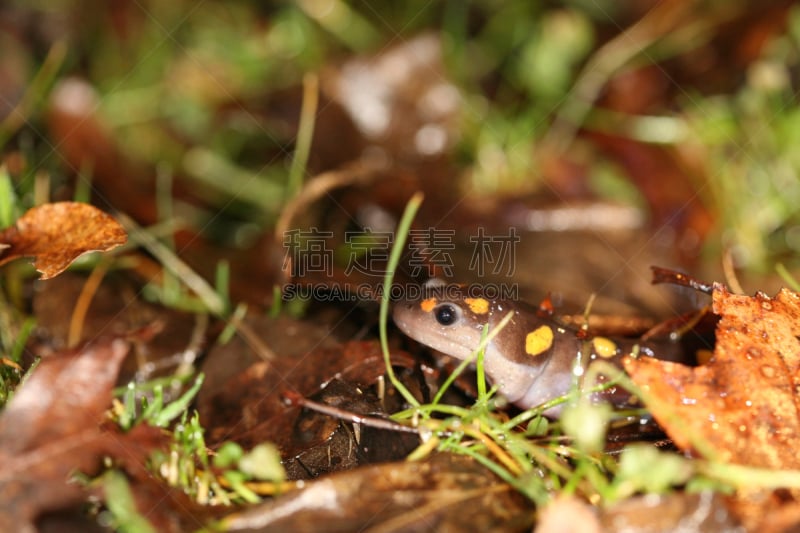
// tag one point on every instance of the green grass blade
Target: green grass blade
(394, 259)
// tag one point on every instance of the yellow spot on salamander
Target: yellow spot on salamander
(479, 306)
(604, 347)
(539, 340)
(427, 304)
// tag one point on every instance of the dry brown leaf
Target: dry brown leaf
(67, 393)
(56, 425)
(444, 492)
(51, 428)
(56, 234)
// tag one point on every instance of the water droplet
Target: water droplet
(688, 401)
(767, 371)
(742, 428)
(753, 353)
(425, 433)
(748, 403)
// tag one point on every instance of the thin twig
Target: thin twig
(379, 423)
(314, 189)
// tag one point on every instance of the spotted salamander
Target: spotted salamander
(531, 360)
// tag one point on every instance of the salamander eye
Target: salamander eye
(446, 314)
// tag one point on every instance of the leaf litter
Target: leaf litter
(94, 147)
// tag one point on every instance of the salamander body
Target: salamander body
(533, 359)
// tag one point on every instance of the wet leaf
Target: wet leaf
(56, 234)
(51, 428)
(743, 402)
(67, 393)
(249, 407)
(702, 512)
(742, 406)
(445, 493)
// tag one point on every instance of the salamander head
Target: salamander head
(443, 320)
(451, 319)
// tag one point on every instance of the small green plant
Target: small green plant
(152, 409)
(261, 464)
(122, 512)
(187, 462)
(14, 332)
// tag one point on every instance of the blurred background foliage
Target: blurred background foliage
(209, 91)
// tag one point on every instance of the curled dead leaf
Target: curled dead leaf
(56, 234)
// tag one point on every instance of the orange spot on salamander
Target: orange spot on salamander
(427, 304)
(479, 306)
(546, 307)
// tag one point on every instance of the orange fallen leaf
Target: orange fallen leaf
(742, 406)
(743, 403)
(58, 233)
